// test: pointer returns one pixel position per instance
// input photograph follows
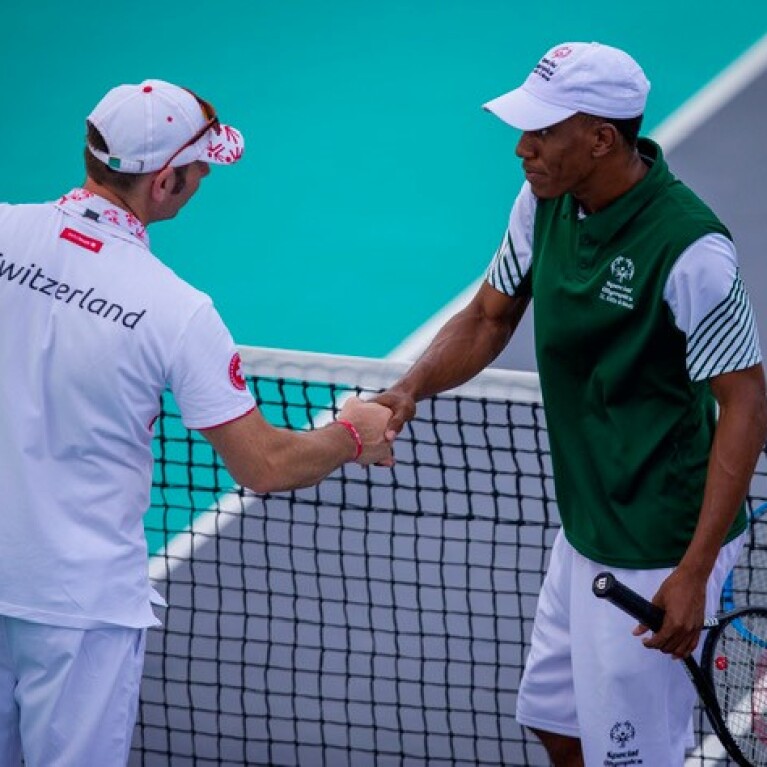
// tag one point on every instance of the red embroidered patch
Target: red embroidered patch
(235, 372)
(78, 238)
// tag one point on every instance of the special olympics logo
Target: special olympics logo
(622, 269)
(562, 52)
(621, 733)
(235, 372)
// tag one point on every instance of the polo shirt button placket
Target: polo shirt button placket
(586, 251)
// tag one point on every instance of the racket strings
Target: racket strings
(739, 678)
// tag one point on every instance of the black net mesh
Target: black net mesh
(380, 618)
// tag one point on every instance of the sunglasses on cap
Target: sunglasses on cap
(211, 122)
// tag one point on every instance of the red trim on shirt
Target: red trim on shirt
(224, 423)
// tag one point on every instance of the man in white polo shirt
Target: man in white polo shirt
(94, 329)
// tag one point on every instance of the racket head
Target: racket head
(734, 661)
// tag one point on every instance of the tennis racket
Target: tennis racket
(731, 678)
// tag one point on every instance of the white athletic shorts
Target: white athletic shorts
(68, 697)
(588, 677)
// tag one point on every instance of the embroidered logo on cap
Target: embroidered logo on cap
(547, 67)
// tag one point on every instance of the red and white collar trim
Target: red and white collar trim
(85, 203)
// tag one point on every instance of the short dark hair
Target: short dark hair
(102, 174)
(628, 127)
(99, 171)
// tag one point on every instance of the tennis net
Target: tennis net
(380, 618)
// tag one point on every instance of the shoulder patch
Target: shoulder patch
(235, 372)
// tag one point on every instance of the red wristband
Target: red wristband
(354, 434)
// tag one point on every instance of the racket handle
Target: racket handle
(606, 586)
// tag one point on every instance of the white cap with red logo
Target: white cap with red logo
(155, 124)
(575, 77)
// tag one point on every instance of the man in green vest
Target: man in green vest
(654, 394)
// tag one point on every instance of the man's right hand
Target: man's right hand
(370, 420)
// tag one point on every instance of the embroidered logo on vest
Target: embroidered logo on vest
(617, 290)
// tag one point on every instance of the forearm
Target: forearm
(738, 441)
(293, 459)
(266, 459)
(740, 434)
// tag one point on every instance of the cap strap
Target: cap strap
(115, 163)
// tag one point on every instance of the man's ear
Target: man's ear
(162, 184)
(605, 139)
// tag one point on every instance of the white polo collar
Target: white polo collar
(85, 203)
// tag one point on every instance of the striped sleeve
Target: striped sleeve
(511, 261)
(711, 307)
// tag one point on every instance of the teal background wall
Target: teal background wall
(374, 188)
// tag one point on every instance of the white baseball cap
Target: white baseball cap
(155, 124)
(575, 77)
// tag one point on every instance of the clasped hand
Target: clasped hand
(371, 421)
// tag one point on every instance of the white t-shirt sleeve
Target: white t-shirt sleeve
(514, 255)
(711, 307)
(205, 376)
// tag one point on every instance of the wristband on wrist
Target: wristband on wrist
(354, 434)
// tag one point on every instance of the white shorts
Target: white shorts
(68, 697)
(588, 677)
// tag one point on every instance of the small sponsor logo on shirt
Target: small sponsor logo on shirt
(83, 240)
(235, 372)
(617, 290)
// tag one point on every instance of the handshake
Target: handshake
(375, 428)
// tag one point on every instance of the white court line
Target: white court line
(713, 97)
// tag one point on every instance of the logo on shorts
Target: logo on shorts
(235, 372)
(621, 733)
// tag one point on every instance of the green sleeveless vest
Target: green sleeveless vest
(630, 434)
